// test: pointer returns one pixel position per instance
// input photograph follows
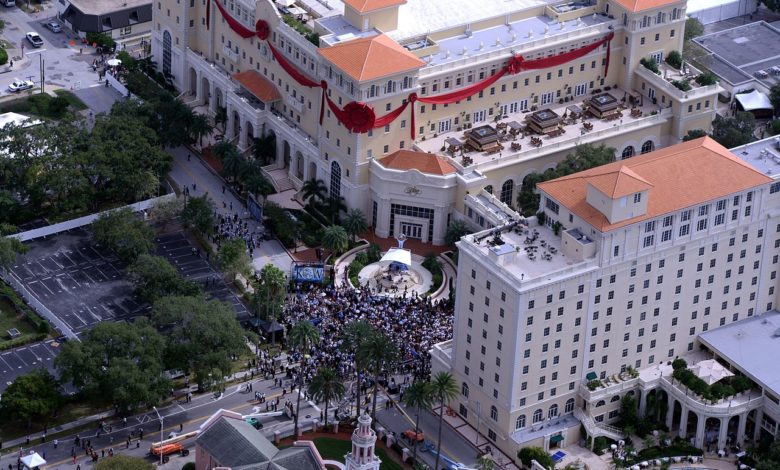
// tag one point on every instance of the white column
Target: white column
(669, 411)
(439, 224)
(700, 422)
(683, 421)
(741, 428)
(757, 427)
(242, 133)
(230, 130)
(643, 403)
(724, 427)
(212, 98)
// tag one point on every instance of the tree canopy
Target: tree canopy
(121, 231)
(693, 28)
(774, 97)
(9, 247)
(694, 134)
(270, 292)
(734, 131)
(202, 334)
(585, 156)
(527, 454)
(155, 277)
(455, 231)
(123, 462)
(31, 396)
(198, 213)
(233, 258)
(118, 362)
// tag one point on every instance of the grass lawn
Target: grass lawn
(73, 100)
(9, 318)
(335, 449)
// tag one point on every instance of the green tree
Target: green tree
(31, 396)
(693, 28)
(264, 149)
(355, 223)
(9, 247)
(734, 131)
(198, 214)
(233, 258)
(220, 117)
(326, 386)
(419, 395)
(694, 134)
(201, 335)
(376, 354)
(199, 127)
(155, 277)
(774, 97)
(335, 206)
(129, 62)
(233, 163)
(165, 210)
(486, 462)
(455, 231)
(628, 412)
(674, 58)
(444, 389)
(302, 337)
(527, 454)
(270, 293)
(773, 5)
(123, 462)
(353, 335)
(334, 239)
(255, 182)
(314, 192)
(118, 362)
(280, 223)
(125, 234)
(101, 40)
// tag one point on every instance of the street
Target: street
(67, 63)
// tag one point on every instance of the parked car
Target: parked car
(34, 39)
(53, 26)
(20, 85)
(254, 423)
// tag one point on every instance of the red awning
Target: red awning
(258, 85)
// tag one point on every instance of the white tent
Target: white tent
(753, 101)
(33, 460)
(397, 255)
(285, 3)
(710, 371)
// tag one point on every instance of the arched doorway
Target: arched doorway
(286, 152)
(711, 432)
(507, 192)
(249, 132)
(335, 180)
(691, 424)
(236, 124)
(751, 426)
(167, 53)
(676, 416)
(299, 165)
(193, 84)
(312, 171)
(648, 146)
(731, 432)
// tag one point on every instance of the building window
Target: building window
(537, 416)
(628, 152)
(520, 422)
(647, 146)
(493, 413)
(507, 189)
(553, 411)
(569, 406)
(335, 181)
(166, 53)
(464, 389)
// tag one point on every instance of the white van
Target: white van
(9, 3)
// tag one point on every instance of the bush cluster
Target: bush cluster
(721, 389)
(674, 59)
(650, 65)
(3, 56)
(706, 79)
(683, 85)
(362, 259)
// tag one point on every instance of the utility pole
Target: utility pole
(161, 433)
(41, 62)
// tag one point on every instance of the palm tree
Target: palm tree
(335, 206)
(326, 386)
(377, 353)
(199, 127)
(314, 191)
(444, 389)
(233, 163)
(355, 224)
(334, 239)
(220, 117)
(353, 335)
(418, 395)
(302, 337)
(255, 182)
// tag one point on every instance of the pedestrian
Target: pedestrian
(188, 157)
(102, 453)
(194, 186)
(78, 467)
(223, 189)
(73, 462)
(12, 63)
(181, 427)
(56, 443)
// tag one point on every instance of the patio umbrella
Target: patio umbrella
(113, 62)
(710, 371)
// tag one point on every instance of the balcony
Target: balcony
(524, 147)
(294, 130)
(669, 74)
(609, 388)
(726, 407)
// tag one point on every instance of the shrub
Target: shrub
(593, 384)
(541, 217)
(650, 65)
(706, 78)
(527, 454)
(679, 364)
(188, 466)
(3, 56)
(683, 85)
(674, 59)
(373, 254)
(101, 40)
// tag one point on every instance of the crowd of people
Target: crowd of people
(229, 227)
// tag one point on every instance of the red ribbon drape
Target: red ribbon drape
(359, 117)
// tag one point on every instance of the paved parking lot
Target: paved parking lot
(26, 359)
(194, 267)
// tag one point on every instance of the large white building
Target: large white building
(362, 80)
(666, 255)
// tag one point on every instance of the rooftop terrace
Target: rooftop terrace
(526, 144)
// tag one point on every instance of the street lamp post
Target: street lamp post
(161, 433)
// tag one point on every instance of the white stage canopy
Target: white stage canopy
(33, 460)
(397, 255)
(753, 100)
(285, 3)
(710, 371)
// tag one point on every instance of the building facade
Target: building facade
(127, 21)
(627, 267)
(363, 79)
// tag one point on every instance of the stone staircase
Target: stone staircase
(278, 178)
(595, 429)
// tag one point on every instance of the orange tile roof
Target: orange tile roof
(677, 177)
(371, 58)
(642, 5)
(365, 6)
(258, 85)
(620, 182)
(421, 161)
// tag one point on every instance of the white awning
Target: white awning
(397, 255)
(33, 460)
(285, 3)
(710, 371)
(753, 100)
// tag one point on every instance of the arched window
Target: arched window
(464, 389)
(553, 411)
(166, 62)
(520, 422)
(569, 406)
(489, 188)
(600, 403)
(493, 413)
(614, 399)
(630, 393)
(628, 152)
(507, 189)
(659, 18)
(335, 180)
(648, 146)
(538, 416)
